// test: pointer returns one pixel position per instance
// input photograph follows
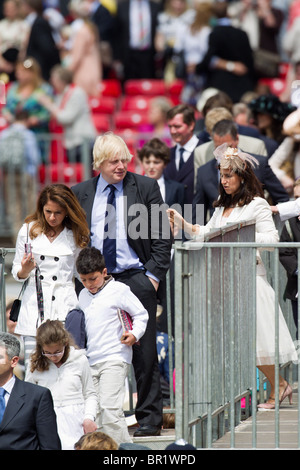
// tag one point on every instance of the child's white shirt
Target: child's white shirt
(103, 327)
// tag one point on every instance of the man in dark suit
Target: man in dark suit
(103, 19)
(41, 45)
(154, 156)
(181, 122)
(208, 177)
(289, 258)
(228, 63)
(27, 416)
(143, 249)
(135, 28)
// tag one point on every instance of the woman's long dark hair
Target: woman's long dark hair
(250, 188)
(65, 198)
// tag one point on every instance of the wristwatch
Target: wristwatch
(230, 66)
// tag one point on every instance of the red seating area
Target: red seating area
(122, 110)
(116, 110)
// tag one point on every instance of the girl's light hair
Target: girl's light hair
(107, 146)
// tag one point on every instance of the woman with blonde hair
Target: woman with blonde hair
(46, 250)
(84, 56)
(190, 46)
(23, 95)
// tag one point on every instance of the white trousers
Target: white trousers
(109, 379)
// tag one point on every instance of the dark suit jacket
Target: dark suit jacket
(41, 46)
(271, 144)
(122, 29)
(153, 250)
(288, 257)
(207, 187)
(104, 22)
(29, 421)
(184, 176)
(174, 193)
(231, 44)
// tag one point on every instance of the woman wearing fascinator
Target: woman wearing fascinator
(241, 199)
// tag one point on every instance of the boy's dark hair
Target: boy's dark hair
(90, 260)
(157, 148)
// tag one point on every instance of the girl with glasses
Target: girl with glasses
(59, 366)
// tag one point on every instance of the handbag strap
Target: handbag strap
(39, 293)
(23, 288)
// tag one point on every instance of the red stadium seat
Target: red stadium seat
(175, 88)
(276, 85)
(57, 152)
(102, 122)
(145, 87)
(61, 173)
(111, 87)
(135, 103)
(283, 69)
(103, 104)
(130, 119)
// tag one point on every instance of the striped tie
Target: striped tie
(2, 403)
(110, 231)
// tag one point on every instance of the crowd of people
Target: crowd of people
(86, 257)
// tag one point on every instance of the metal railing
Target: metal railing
(19, 190)
(215, 333)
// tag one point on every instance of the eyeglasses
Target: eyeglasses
(59, 353)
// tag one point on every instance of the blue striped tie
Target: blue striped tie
(110, 232)
(2, 403)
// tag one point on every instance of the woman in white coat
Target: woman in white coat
(56, 232)
(241, 199)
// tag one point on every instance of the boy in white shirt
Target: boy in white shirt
(109, 351)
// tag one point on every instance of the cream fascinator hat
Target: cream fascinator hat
(233, 158)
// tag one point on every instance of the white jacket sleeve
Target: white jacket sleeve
(280, 156)
(289, 209)
(265, 230)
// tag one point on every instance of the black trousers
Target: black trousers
(145, 363)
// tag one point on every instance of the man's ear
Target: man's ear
(15, 361)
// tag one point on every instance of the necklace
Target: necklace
(52, 237)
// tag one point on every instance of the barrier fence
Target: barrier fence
(21, 182)
(215, 333)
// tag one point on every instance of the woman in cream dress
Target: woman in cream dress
(241, 198)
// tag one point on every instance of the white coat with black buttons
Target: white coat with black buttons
(56, 261)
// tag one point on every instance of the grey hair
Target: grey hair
(11, 344)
